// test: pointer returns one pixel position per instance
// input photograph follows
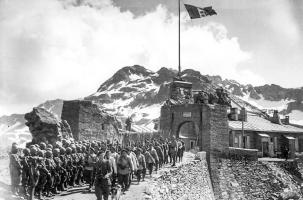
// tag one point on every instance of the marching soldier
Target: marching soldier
(25, 172)
(51, 167)
(44, 173)
(103, 174)
(15, 169)
(34, 173)
(141, 166)
(59, 169)
(69, 165)
(65, 173)
(79, 165)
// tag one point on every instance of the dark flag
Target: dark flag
(196, 12)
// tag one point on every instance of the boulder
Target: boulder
(45, 127)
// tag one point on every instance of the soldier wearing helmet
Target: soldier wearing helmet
(42, 146)
(65, 175)
(51, 167)
(43, 171)
(49, 146)
(69, 165)
(75, 161)
(25, 172)
(15, 169)
(59, 169)
(80, 165)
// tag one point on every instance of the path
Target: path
(136, 191)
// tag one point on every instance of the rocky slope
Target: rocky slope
(138, 92)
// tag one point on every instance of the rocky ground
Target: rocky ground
(189, 181)
(254, 180)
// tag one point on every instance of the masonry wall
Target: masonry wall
(88, 122)
(219, 130)
(210, 121)
(70, 113)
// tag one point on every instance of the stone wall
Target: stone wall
(241, 153)
(219, 130)
(88, 121)
(252, 180)
(210, 121)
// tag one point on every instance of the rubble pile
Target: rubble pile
(262, 180)
(188, 181)
(44, 126)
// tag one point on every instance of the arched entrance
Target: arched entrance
(188, 132)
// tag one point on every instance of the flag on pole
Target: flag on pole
(196, 12)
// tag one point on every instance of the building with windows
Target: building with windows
(271, 136)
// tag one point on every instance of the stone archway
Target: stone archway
(188, 132)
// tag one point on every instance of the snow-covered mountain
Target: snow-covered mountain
(138, 92)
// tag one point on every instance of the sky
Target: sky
(66, 49)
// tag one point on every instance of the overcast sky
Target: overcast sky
(66, 48)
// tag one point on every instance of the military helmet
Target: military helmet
(50, 146)
(73, 147)
(62, 150)
(14, 148)
(48, 154)
(42, 145)
(33, 150)
(83, 148)
(69, 150)
(56, 152)
(26, 152)
(78, 147)
(40, 153)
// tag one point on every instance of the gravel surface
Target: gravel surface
(188, 181)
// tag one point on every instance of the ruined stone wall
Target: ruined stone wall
(87, 121)
(70, 113)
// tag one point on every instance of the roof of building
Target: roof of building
(260, 124)
(142, 129)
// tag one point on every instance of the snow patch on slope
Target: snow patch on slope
(266, 104)
(296, 117)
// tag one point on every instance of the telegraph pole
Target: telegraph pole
(179, 38)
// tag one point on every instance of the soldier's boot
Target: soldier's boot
(55, 191)
(61, 187)
(25, 192)
(39, 194)
(31, 193)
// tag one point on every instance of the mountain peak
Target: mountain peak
(126, 74)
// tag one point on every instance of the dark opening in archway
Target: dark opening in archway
(188, 132)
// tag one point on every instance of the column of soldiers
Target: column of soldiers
(45, 170)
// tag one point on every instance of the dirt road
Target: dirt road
(136, 192)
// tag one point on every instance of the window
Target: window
(297, 144)
(192, 144)
(276, 143)
(236, 141)
(247, 142)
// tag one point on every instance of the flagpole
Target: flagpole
(179, 67)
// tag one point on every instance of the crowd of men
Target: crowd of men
(46, 170)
